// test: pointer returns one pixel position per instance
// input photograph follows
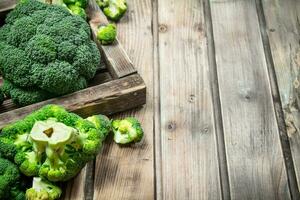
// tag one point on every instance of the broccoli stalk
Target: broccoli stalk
(127, 130)
(42, 189)
(107, 34)
(113, 9)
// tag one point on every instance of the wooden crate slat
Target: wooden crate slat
(6, 5)
(108, 98)
(118, 62)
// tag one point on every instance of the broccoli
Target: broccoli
(107, 34)
(127, 130)
(42, 189)
(10, 181)
(80, 3)
(77, 10)
(2, 98)
(52, 143)
(45, 52)
(113, 9)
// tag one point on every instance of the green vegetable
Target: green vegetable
(77, 10)
(43, 190)
(113, 9)
(1, 97)
(107, 34)
(80, 3)
(127, 130)
(45, 52)
(10, 181)
(52, 143)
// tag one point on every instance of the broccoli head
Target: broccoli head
(53, 143)
(10, 181)
(107, 34)
(45, 52)
(127, 130)
(113, 9)
(43, 190)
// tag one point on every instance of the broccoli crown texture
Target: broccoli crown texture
(113, 9)
(10, 183)
(53, 143)
(107, 34)
(127, 130)
(43, 190)
(45, 51)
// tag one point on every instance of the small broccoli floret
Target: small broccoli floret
(102, 123)
(113, 9)
(77, 10)
(10, 187)
(1, 97)
(107, 34)
(43, 190)
(127, 130)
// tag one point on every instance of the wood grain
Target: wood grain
(6, 5)
(118, 62)
(108, 98)
(254, 156)
(187, 152)
(283, 31)
(126, 172)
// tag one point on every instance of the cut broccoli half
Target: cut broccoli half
(107, 34)
(43, 190)
(127, 130)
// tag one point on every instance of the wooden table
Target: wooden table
(222, 118)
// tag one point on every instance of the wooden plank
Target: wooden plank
(189, 162)
(6, 5)
(283, 31)
(127, 172)
(108, 98)
(100, 78)
(256, 166)
(117, 60)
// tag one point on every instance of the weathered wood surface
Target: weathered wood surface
(187, 143)
(127, 172)
(108, 98)
(283, 31)
(7, 5)
(256, 168)
(117, 60)
(212, 128)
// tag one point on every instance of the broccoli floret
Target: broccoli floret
(77, 10)
(10, 182)
(79, 3)
(113, 9)
(43, 190)
(45, 52)
(127, 130)
(53, 143)
(102, 123)
(1, 97)
(107, 34)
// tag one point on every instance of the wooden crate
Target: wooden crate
(116, 87)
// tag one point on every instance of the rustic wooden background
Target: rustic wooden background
(222, 118)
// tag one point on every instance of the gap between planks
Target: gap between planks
(286, 150)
